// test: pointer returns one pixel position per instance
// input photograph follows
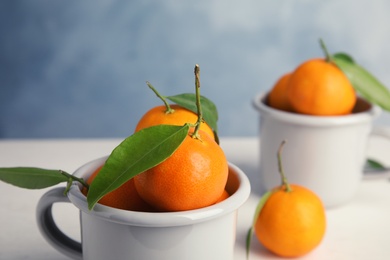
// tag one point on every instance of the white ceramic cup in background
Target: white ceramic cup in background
(323, 153)
(109, 233)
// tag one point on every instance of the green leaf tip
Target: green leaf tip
(31, 177)
(374, 164)
(251, 230)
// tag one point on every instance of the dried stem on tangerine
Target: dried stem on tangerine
(168, 110)
(281, 171)
(198, 104)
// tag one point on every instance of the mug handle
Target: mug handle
(380, 173)
(49, 229)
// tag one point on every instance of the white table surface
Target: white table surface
(357, 230)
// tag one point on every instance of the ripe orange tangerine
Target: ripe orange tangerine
(194, 176)
(318, 87)
(277, 97)
(291, 223)
(223, 197)
(180, 116)
(125, 197)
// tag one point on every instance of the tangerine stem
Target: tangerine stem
(326, 52)
(281, 171)
(168, 108)
(198, 104)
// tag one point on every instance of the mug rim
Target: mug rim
(159, 219)
(302, 119)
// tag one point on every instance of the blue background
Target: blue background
(78, 68)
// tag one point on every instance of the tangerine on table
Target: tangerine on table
(318, 87)
(277, 97)
(291, 223)
(180, 116)
(125, 197)
(194, 176)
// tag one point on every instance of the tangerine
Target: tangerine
(180, 116)
(277, 97)
(125, 197)
(291, 223)
(318, 87)
(194, 176)
(223, 197)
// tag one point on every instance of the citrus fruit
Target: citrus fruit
(224, 196)
(194, 176)
(291, 223)
(318, 87)
(125, 197)
(180, 116)
(292, 220)
(277, 97)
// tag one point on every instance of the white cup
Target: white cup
(109, 233)
(323, 153)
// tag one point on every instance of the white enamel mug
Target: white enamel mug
(323, 153)
(109, 233)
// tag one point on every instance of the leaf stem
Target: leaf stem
(198, 104)
(168, 108)
(68, 185)
(328, 57)
(72, 177)
(281, 171)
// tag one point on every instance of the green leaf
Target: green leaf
(136, 154)
(344, 56)
(374, 165)
(251, 230)
(364, 82)
(209, 109)
(32, 178)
